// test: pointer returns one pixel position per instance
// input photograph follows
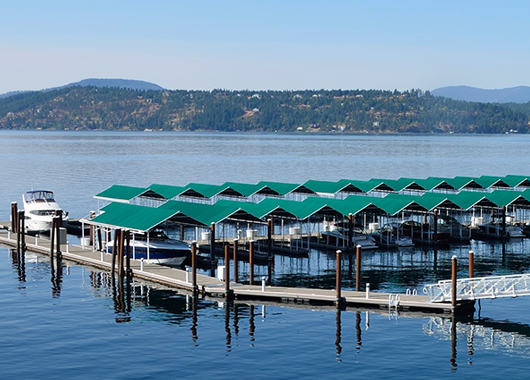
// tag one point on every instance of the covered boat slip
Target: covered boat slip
(213, 214)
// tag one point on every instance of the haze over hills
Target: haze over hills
(520, 94)
(129, 84)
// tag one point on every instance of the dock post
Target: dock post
(338, 278)
(127, 254)
(251, 263)
(194, 266)
(358, 269)
(453, 284)
(227, 272)
(503, 222)
(435, 225)
(212, 244)
(22, 228)
(114, 250)
(471, 264)
(52, 237)
(120, 255)
(351, 225)
(236, 266)
(182, 232)
(14, 217)
(18, 231)
(270, 227)
(58, 223)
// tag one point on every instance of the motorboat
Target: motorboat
(158, 248)
(495, 230)
(39, 209)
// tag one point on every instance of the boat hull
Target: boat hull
(174, 252)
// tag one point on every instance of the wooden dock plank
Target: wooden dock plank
(210, 286)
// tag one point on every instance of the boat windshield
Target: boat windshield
(39, 196)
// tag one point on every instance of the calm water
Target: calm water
(74, 324)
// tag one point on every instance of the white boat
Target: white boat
(39, 209)
(338, 236)
(158, 249)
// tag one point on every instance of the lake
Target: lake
(75, 324)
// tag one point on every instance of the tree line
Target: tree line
(368, 111)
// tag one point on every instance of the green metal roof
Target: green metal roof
(167, 191)
(120, 193)
(286, 188)
(468, 199)
(508, 198)
(134, 217)
(401, 184)
(393, 204)
(517, 180)
(248, 189)
(206, 214)
(460, 183)
(327, 187)
(433, 183)
(201, 190)
(489, 181)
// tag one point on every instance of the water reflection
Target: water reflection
(18, 262)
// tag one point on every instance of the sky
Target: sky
(266, 45)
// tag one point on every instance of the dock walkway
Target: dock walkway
(212, 287)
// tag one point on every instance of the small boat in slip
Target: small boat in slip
(157, 247)
(337, 236)
(39, 209)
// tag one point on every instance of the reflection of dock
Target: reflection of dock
(211, 286)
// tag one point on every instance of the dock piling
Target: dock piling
(338, 278)
(194, 266)
(453, 283)
(471, 264)
(212, 244)
(227, 272)
(358, 269)
(14, 217)
(236, 269)
(251, 263)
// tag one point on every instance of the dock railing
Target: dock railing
(480, 287)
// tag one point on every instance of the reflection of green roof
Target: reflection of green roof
(120, 193)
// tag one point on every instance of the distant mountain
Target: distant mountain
(10, 93)
(520, 94)
(120, 83)
(128, 84)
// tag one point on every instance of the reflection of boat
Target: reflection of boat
(157, 249)
(389, 236)
(39, 209)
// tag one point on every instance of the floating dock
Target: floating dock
(212, 287)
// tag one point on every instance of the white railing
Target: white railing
(480, 287)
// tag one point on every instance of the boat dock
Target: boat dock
(213, 287)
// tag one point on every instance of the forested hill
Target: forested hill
(374, 111)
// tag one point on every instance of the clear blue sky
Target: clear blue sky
(260, 45)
